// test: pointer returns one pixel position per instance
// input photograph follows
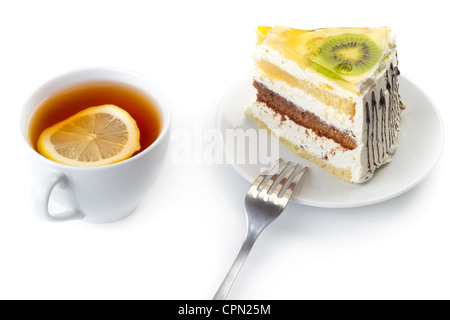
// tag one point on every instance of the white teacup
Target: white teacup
(96, 194)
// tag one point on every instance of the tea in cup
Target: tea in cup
(103, 193)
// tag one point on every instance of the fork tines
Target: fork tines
(280, 184)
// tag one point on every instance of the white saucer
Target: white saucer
(420, 144)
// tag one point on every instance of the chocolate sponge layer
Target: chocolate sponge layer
(302, 117)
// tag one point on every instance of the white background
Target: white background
(181, 241)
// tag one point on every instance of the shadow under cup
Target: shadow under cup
(104, 193)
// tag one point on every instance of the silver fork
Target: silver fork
(264, 202)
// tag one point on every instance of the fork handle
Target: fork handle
(225, 287)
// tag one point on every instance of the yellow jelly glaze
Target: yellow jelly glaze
(302, 45)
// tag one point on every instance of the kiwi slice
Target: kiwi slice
(325, 71)
(348, 54)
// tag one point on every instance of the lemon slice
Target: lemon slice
(96, 136)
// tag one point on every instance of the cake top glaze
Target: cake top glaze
(343, 55)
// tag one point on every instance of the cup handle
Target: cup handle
(42, 199)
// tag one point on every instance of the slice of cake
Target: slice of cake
(331, 95)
